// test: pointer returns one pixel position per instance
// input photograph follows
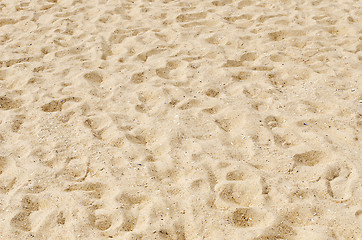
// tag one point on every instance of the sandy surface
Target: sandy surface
(180, 119)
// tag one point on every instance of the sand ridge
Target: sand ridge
(170, 119)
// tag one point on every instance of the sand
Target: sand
(225, 119)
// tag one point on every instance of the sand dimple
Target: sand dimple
(93, 77)
(8, 103)
(101, 222)
(244, 217)
(21, 221)
(30, 204)
(309, 158)
(138, 77)
(53, 106)
(235, 175)
(3, 163)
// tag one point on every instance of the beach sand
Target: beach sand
(225, 119)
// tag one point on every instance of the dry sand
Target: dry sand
(170, 119)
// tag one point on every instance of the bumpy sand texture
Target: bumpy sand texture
(169, 119)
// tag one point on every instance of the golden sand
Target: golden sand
(225, 119)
